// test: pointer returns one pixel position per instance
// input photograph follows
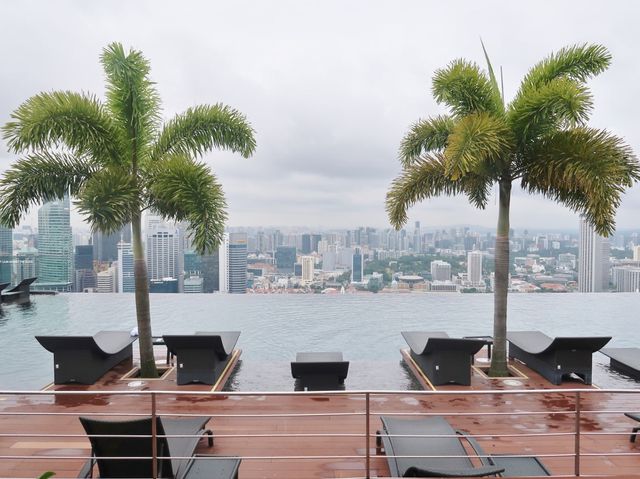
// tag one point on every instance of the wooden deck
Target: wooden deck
(237, 417)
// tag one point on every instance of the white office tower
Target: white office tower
(308, 268)
(126, 278)
(593, 260)
(163, 248)
(193, 284)
(329, 261)
(106, 281)
(636, 253)
(440, 271)
(474, 267)
(417, 238)
(223, 261)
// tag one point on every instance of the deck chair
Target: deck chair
(624, 360)
(319, 371)
(634, 432)
(443, 359)
(405, 437)
(554, 358)
(125, 443)
(201, 357)
(84, 359)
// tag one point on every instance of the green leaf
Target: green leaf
(425, 136)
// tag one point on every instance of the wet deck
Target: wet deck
(242, 430)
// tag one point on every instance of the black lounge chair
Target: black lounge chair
(443, 359)
(554, 358)
(405, 437)
(19, 293)
(201, 357)
(319, 371)
(634, 432)
(106, 450)
(624, 360)
(84, 359)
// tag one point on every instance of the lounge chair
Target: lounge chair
(319, 371)
(443, 359)
(624, 360)
(84, 359)
(634, 432)
(106, 450)
(201, 357)
(405, 437)
(554, 358)
(19, 293)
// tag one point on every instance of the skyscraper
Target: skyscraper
(285, 259)
(237, 263)
(55, 246)
(210, 272)
(223, 264)
(474, 267)
(308, 269)
(357, 266)
(84, 276)
(440, 271)
(6, 254)
(593, 260)
(417, 238)
(163, 248)
(126, 277)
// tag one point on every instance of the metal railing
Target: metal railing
(576, 405)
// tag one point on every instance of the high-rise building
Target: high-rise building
(105, 246)
(55, 246)
(285, 259)
(126, 275)
(210, 272)
(6, 254)
(163, 248)
(626, 279)
(308, 269)
(417, 238)
(474, 267)
(593, 260)
(223, 264)
(26, 264)
(84, 276)
(237, 263)
(636, 253)
(193, 284)
(440, 271)
(357, 266)
(106, 281)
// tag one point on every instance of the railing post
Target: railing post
(367, 426)
(577, 440)
(154, 439)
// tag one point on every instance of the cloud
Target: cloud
(330, 87)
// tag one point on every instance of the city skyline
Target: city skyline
(331, 107)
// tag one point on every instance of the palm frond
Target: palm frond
(424, 178)
(559, 103)
(182, 189)
(584, 168)
(38, 178)
(131, 95)
(578, 62)
(492, 76)
(109, 199)
(204, 127)
(425, 136)
(76, 121)
(465, 89)
(478, 139)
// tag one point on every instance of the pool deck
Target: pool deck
(244, 415)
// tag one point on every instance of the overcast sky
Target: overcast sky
(329, 87)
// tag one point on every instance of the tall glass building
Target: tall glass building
(126, 275)
(238, 263)
(6, 254)
(55, 246)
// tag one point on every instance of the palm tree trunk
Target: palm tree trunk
(143, 313)
(499, 358)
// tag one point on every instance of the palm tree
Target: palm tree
(117, 160)
(539, 139)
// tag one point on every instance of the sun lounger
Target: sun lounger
(554, 358)
(319, 371)
(443, 359)
(624, 360)
(84, 359)
(406, 437)
(168, 449)
(18, 293)
(201, 357)
(634, 432)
